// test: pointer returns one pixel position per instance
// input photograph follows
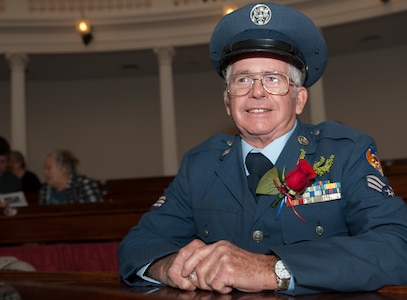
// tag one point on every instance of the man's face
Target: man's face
(3, 163)
(260, 116)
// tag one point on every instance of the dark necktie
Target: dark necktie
(257, 165)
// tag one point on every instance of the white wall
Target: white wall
(200, 109)
(111, 124)
(367, 91)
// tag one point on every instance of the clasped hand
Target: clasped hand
(219, 267)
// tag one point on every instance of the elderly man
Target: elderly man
(283, 205)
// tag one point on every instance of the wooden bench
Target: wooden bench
(71, 222)
(125, 190)
(125, 201)
(131, 190)
(69, 237)
(57, 237)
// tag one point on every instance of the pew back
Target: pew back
(131, 190)
(70, 223)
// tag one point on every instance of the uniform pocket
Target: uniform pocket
(322, 220)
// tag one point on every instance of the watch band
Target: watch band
(283, 283)
(283, 275)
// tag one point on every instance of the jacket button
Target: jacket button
(257, 236)
(302, 140)
(319, 230)
(226, 152)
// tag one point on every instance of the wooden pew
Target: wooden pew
(131, 190)
(124, 190)
(69, 237)
(71, 222)
(125, 201)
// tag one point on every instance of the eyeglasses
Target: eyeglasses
(275, 83)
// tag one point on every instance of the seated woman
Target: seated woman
(29, 180)
(64, 185)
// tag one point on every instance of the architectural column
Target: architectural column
(18, 63)
(317, 102)
(169, 136)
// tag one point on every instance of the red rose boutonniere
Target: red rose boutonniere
(290, 186)
(299, 178)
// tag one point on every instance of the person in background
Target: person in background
(9, 182)
(29, 180)
(319, 217)
(64, 184)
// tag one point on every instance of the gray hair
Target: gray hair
(293, 72)
(65, 159)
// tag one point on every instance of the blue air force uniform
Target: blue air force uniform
(348, 231)
(356, 240)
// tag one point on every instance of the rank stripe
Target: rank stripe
(375, 183)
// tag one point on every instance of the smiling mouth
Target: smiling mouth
(258, 110)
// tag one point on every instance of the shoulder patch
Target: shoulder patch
(377, 184)
(373, 159)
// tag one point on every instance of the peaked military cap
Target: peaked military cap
(272, 30)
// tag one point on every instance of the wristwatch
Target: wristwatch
(283, 275)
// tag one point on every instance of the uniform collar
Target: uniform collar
(272, 151)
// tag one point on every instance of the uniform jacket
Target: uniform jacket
(355, 243)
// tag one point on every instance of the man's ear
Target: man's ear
(301, 99)
(226, 101)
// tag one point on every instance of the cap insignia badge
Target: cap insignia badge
(260, 14)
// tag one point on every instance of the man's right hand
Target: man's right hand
(168, 269)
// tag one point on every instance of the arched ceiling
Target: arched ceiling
(126, 31)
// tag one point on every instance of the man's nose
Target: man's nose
(258, 88)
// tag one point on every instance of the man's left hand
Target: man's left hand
(223, 266)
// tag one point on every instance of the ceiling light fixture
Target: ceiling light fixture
(85, 29)
(227, 9)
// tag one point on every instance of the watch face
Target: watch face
(282, 271)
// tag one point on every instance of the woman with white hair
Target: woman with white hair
(64, 184)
